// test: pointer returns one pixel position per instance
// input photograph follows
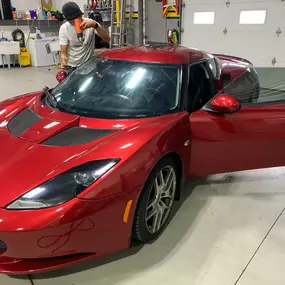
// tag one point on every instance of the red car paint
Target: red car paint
(225, 104)
(171, 54)
(92, 224)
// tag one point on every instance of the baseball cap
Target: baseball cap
(71, 11)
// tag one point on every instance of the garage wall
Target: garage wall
(22, 5)
(60, 3)
(156, 25)
(259, 43)
(81, 3)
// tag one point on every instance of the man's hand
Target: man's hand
(88, 23)
(63, 66)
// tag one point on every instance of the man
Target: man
(73, 51)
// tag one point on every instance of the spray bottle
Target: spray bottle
(79, 30)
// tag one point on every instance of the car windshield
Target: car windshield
(116, 88)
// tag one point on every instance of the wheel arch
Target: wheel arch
(178, 163)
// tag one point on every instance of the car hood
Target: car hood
(37, 143)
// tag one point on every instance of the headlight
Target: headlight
(63, 187)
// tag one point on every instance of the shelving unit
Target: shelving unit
(24, 22)
(43, 25)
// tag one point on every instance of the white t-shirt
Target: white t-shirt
(78, 52)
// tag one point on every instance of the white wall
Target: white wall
(60, 3)
(23, 5)
(258, 43)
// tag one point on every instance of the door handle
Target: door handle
(187, 143)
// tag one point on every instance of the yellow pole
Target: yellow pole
(118, 12)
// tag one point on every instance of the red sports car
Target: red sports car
(100, 159)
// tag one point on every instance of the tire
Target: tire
(155, 204)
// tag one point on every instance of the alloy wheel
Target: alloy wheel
(161, 199)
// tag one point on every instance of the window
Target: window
(252, 17)
(116, 88)
(245, 88)
(206, 18)
(248, 89)
(200, 89)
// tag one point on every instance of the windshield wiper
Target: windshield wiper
(51, 97)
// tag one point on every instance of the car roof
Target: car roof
(157, 54)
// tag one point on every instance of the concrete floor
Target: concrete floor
(228, 229)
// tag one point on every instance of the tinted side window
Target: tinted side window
(249, 89)
(272, 86)
(245, 88)
(200, 89)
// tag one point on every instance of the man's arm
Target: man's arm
(103, 34)
(63, 56)
(89, 23)
(63, 41)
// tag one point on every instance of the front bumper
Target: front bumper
(14, 266)
(42, 240)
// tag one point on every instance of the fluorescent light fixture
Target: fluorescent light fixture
(255, 17)
(136, 78)
(204, 18)
(85, 84)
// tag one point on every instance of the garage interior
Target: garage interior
(227, 229)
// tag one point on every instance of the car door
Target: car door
(251, 138)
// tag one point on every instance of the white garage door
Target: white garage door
(257, 42)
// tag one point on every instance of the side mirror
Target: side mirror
(61, 76)
(225, 103)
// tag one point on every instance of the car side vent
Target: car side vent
(22, 122)
(76, 135)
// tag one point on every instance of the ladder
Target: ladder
(121, 28)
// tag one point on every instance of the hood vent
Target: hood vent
(77, 135)
(22, 122)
